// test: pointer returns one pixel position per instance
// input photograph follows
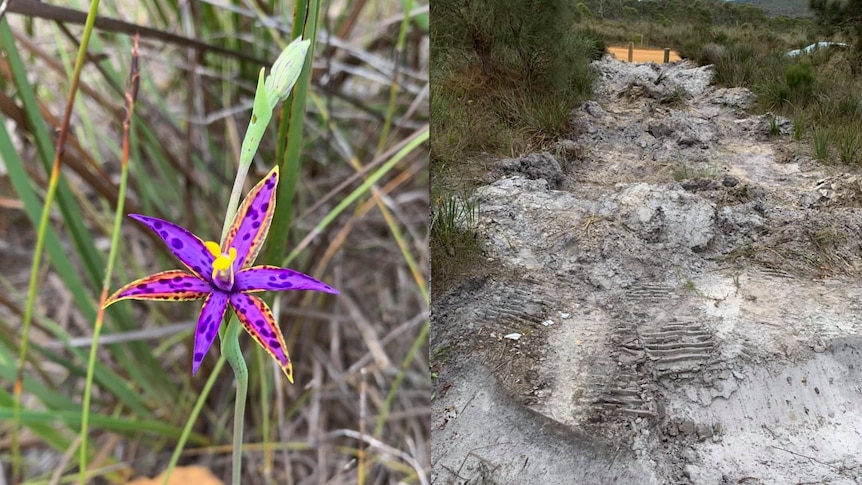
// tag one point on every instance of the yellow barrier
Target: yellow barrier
(644, 55)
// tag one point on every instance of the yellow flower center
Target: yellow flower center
(222, 265)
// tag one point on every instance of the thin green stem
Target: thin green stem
(261, 114)
(390, 397)
(40, 240)
(131, 95)
(230, 338)
(25, 334)
(91, 363)
(402, 246)
(393, 87)
(269, 92)
(233, 354)
(417, 139)
(193, 417)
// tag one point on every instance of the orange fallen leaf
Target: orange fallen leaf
(182, 476)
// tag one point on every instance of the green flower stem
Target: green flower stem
(233, 354)
(230, 350)
(230, 338)
(270, 90)
(261, 114)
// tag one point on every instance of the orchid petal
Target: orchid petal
(187, 247)
(174, 285)
(208, 324)
(252, 221)
(273, 278)
(258, 321)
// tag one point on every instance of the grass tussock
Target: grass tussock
(455, 240)
(505, 78)
(504, 113)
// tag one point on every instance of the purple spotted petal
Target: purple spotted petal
(172, 285)
(252, 221)
(258, 321)
(208, 324)
(273, 278)
(187, 247)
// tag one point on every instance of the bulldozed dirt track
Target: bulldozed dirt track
(685, 283)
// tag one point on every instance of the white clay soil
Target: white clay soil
(685, 280)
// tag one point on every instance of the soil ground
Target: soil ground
(672, 297)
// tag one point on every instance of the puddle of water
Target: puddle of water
(643, 55)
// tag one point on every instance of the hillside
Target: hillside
(788, 8)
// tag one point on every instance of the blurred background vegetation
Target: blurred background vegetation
(521, 74)
(360, 360)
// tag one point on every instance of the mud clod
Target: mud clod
(535, 166)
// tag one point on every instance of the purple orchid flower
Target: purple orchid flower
(223, 274)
